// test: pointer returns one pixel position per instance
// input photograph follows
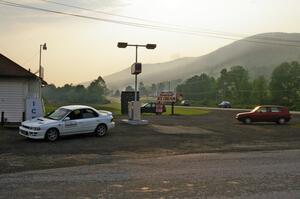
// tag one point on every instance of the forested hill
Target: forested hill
(253, 53)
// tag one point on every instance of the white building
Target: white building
(17, 86)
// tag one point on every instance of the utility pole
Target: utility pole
(44, 47)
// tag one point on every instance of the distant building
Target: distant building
(17, 86)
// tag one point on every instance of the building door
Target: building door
(12, 100)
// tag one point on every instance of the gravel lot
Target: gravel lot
(254, 175)
(217, 131)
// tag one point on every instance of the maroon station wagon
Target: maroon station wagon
(278, 114)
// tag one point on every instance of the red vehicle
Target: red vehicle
(266, 113)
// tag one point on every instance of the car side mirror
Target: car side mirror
(66, 119)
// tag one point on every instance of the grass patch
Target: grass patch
(186, 111)
(115, 108)
(296, 125)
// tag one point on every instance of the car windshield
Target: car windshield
(255, 109)
(147, 105)
(58, 114)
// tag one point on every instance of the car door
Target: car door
(261, 115)
(269, 115)
(73, 125)
(276, 114)
(90, 120)
(153, 108)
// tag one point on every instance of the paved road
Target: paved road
(212, 108)
(223, 109)
(231, 175)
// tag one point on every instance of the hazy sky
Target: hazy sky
(82, 49)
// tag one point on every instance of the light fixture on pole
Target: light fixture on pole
(137, 65)
(44, 47)
(136, 69)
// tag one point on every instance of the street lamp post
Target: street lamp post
(44, 47)
(148, 46)
(136, 68)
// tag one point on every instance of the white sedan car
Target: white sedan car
(68, 120)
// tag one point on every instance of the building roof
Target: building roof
(9, 68)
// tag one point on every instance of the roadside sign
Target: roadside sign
(167, 97)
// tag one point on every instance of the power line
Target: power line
(147, 26)
(31, 58)
(172, 25)
(7, 3)
(99, 11)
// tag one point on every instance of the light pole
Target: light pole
(44, 47)
(148, 46)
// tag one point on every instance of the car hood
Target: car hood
(104, 113)
(243, 114)
(37, 122)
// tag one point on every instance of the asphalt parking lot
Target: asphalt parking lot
(216, 131)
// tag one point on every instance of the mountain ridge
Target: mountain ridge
(257, 53)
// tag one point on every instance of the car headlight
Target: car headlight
(35, 128)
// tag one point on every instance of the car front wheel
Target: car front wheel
(101, 130)
(247, 120)
(52, 135)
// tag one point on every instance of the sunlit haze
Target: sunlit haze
(81, 49)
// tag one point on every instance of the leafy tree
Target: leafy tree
(95, 93)
(222, 84)
(48, 91)
(239, 78)
(142, 89)
(96, 90)
(117, 93)
(285, 84)
(129, 88)
(153, 90)
(76, 93)
(198, 88)
(260, 90)
(234, 84)
(160, 87)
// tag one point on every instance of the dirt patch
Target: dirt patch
(217, 131)
(179, 130)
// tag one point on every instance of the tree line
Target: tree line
(94, 93)
(235, 85)
(151, 90)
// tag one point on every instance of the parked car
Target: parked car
(67, 120)
(151, 108)
(185, 103)
(271, 113)
(225, 104)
